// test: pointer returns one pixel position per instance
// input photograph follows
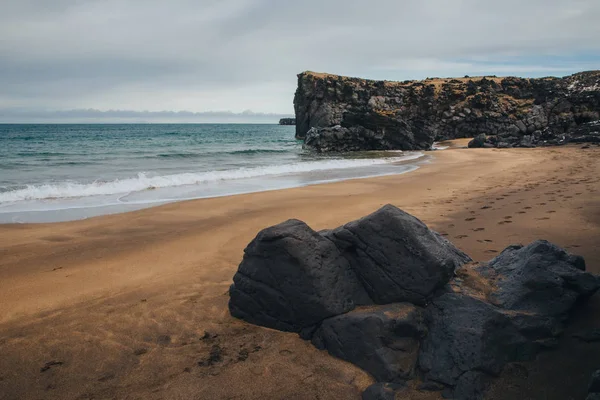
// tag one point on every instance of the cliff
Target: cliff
(336, 113)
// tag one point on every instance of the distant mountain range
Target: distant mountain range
(13, 115)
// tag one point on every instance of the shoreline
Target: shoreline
(85, 208)
(94, 293)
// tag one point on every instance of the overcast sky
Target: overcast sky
(205, 55)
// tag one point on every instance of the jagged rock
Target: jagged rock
(291, 278)
(396, 257)
(379, 115)
(382, 340)
(382, 391)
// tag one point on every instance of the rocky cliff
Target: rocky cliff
(287, 121)
(336, 113)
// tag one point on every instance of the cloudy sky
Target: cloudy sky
(205, 55)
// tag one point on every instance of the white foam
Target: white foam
(65, 190)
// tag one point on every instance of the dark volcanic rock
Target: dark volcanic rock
(451, 322)
(396, 257)
(382, 391)
(541, 282)
(478, 141)
(410, 115)
(587, 132)
(291, 278)
(471, 386)
(467, 334)
(382, 340)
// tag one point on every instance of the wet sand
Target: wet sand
(134, 306)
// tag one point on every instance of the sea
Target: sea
(51, 173)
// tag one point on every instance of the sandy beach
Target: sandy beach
(129, 306)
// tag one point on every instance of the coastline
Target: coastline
(77, 206)
(109, 286)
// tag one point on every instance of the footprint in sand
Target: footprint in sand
(486, 207)
(488, 240)
(541, 204)
(508, 217)
(470, 219)
(526, 208)
(461, 237)
(504, 222)
(550, 212)
(478, 229)
(451, 226)
(491, 251)
(521, 212)
(542, 219)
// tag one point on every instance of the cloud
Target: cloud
(244, 54)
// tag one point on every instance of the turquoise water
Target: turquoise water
(62, 172)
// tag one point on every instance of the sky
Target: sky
(108, 57)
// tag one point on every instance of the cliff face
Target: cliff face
(335, 113)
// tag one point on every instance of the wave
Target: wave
(210, 154)
(144, 181)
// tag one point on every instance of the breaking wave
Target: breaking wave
(145, 181)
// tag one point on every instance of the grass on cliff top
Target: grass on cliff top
(433, 81)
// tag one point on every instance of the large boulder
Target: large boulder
(396, 256)
(292, 278)
(382, 340)
(540, 283)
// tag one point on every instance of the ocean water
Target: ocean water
(64, 172)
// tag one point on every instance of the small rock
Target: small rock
(140, 351)
(478, 141)
(209, 335)
(50, 364)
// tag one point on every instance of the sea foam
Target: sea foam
(145, 181)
